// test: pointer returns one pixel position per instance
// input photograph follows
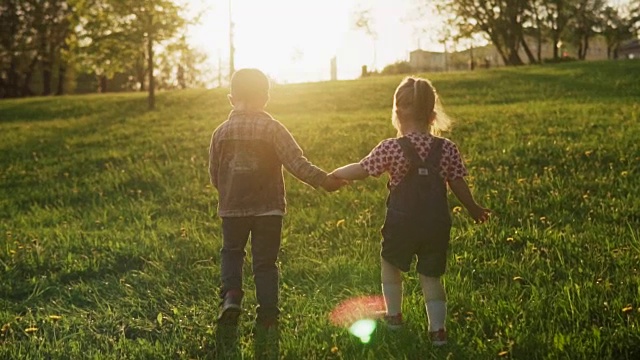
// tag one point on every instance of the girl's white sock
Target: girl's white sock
(391, 287)
(435, 301)
(392, 297)
(437, 313)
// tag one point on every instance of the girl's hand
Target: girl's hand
(332, 183)
(479, 214)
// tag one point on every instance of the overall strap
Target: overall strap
(435, 153)
(410, 152)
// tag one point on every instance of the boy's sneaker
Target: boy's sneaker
(231, 308)
(438, 338)
(393, 322)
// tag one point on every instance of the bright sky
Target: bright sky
(294, 40)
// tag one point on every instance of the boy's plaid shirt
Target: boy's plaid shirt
(260, 130)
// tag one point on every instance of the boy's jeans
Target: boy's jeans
(265, 244)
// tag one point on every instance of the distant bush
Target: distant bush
(400, 67)
(559, 60)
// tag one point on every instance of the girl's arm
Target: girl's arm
(353, 171)
(461, 191)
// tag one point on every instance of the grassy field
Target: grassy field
(109, 242)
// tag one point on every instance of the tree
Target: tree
(181, 66)
(587, 17)
(152, 21)
(615, 28)
(500, 20)
(54, 30)
(35, 37)
(123, 35)
(558, 13)
(18, 45)
(363, 20)
(105, 45)
(537, 25)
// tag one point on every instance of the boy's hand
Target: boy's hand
(332, 183)
(479, 214)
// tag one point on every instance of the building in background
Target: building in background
(488, 56)
(422, 60)
(629, 49)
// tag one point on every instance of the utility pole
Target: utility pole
(446, 56)
(231, 48)
(219, 69)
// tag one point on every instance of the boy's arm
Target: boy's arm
(294, 161)
(213, 163)
(461, 191)
(353, 171)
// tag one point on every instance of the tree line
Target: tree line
(141, 41)
(142, 44)
(510, 25)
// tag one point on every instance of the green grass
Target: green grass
(108, 222)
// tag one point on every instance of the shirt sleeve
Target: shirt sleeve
(379, 159)
(452, 164)
(213, 162)
(291, 156)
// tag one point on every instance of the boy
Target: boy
(246, 156)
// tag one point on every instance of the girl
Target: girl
(418, 222)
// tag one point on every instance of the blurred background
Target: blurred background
(55, 47)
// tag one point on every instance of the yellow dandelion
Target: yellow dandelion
(457, 209)
(334, 349)
(627, 309)
(5, 328)
(521, 180)
(510, 239)
(624, 173)
(588, 152)
(503, 353)
(30, 330)
(55, 317)
(340, 223)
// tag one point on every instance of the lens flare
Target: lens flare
(351, 310)
(363, 329)
(359, 315)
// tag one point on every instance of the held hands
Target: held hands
(333, 183)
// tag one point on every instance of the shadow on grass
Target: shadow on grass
(58, 192)
(227, 345)
(266, 343)
(50, 108)
(30, 283)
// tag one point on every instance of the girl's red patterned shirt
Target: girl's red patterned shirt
(388, 157)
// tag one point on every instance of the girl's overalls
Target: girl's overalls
(418, 220)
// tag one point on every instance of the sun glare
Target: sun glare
(294, 41)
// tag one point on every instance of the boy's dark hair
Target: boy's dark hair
(249, 85)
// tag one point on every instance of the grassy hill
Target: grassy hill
(109, 240)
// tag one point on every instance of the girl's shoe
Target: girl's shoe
(438, 338)
(393, 322)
